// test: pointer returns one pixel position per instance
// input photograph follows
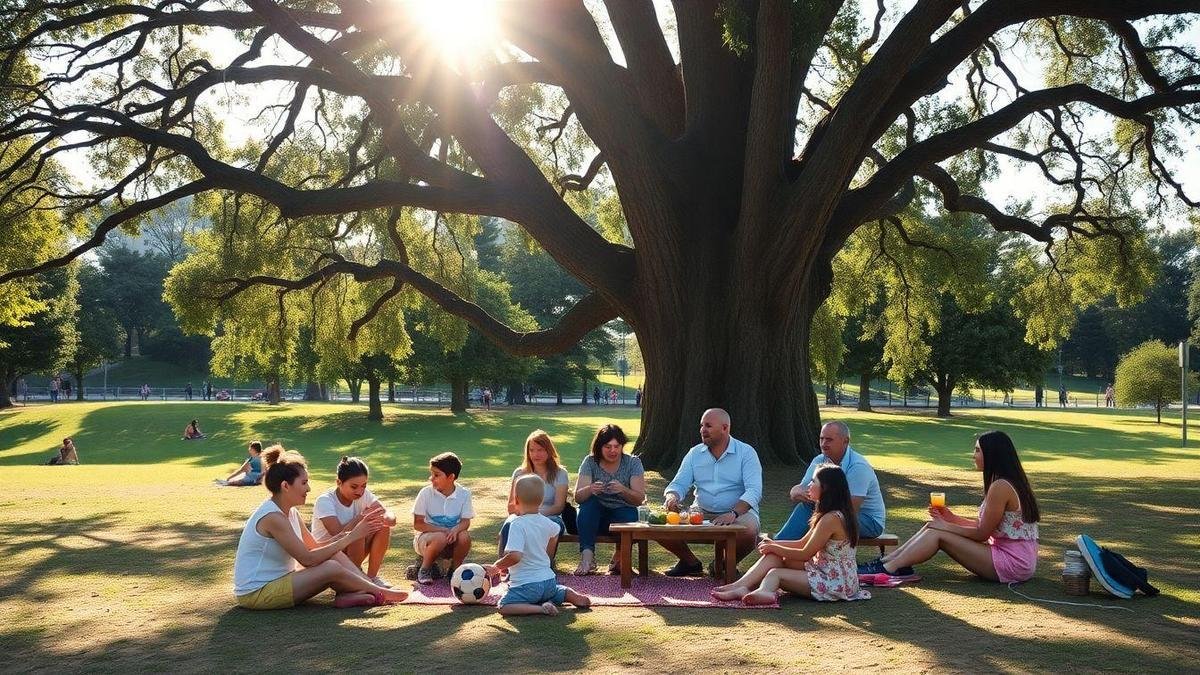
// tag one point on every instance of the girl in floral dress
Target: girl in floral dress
(1001, 544)
(821, 565)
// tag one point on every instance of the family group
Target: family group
(280, 562)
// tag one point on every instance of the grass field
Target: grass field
(124, 563)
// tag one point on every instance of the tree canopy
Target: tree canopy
(695, 166)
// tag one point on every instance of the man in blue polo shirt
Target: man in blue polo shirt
(728, 480)
(864, 486)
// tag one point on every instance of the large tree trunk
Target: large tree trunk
(391, 391)
(584, 400)
(560, 399)
(374, 405)
(864, 392)
(312, 391)
(458, 394)
(729, 349)
(355, 389)
(944, 385)
(78, 384)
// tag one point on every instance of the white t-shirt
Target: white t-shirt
(530, 534)
(443, 511)
(261, 560)
(328, 504)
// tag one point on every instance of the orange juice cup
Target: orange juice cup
(937, 499)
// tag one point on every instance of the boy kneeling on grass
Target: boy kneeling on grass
(532, 585)
(441, 516)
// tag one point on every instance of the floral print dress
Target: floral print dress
(833, 573)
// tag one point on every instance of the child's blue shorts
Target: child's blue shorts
(535, 593)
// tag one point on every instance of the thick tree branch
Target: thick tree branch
(859, 203)
(109, 224)
(648, 60)
(590, 312)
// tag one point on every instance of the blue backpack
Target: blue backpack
(1117, 575)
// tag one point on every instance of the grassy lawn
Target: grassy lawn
(125, 563)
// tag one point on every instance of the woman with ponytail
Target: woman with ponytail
(341, 507)
(279, 563)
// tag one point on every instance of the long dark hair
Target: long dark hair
(835, 497)
(605, 434)
(1000, 461)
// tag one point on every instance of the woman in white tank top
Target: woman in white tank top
(279, 563)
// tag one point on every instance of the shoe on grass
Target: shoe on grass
(425, 576)
(717, 574)
(685, 569)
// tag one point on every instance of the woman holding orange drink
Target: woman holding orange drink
(1000, 544)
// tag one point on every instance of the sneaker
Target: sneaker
(410, 572)
(683, 569)
(380, 581)
(424, 576)
(716, 574)
(886, 579)
(876, 567)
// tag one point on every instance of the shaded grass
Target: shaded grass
(124, 563)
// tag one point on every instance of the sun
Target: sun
(461, 31)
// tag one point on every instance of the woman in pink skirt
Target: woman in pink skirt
(1001, 544)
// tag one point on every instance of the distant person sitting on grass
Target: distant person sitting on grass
(341, 507)
(192, 432)
(821, 564)
(533, 587)
(279, 563)
(1000, 545)
(250, 472)
(66, 454)
(441, 516)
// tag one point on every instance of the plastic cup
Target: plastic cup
(643, 514)
(937, 499)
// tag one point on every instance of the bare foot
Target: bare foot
(344, 600)
(392, 596)
(549, 609)
(760, 598)
(729, 593)
(587, 564)
(578, 599)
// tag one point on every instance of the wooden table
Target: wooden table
(715, 534)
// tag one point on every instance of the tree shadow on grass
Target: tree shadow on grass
(101, 545)
(948, 442)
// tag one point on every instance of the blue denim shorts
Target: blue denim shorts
(535, 593)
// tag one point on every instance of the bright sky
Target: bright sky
(461, 27)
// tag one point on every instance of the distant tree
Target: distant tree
(864, 353)
(97, 334)
(45, 342)
(1149, 375)
(985, 348)
(826, 350)
(133, 292)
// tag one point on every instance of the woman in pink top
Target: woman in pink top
(1000, 544)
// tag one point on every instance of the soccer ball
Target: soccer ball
(470, 583)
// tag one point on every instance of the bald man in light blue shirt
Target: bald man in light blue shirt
(727, 477)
